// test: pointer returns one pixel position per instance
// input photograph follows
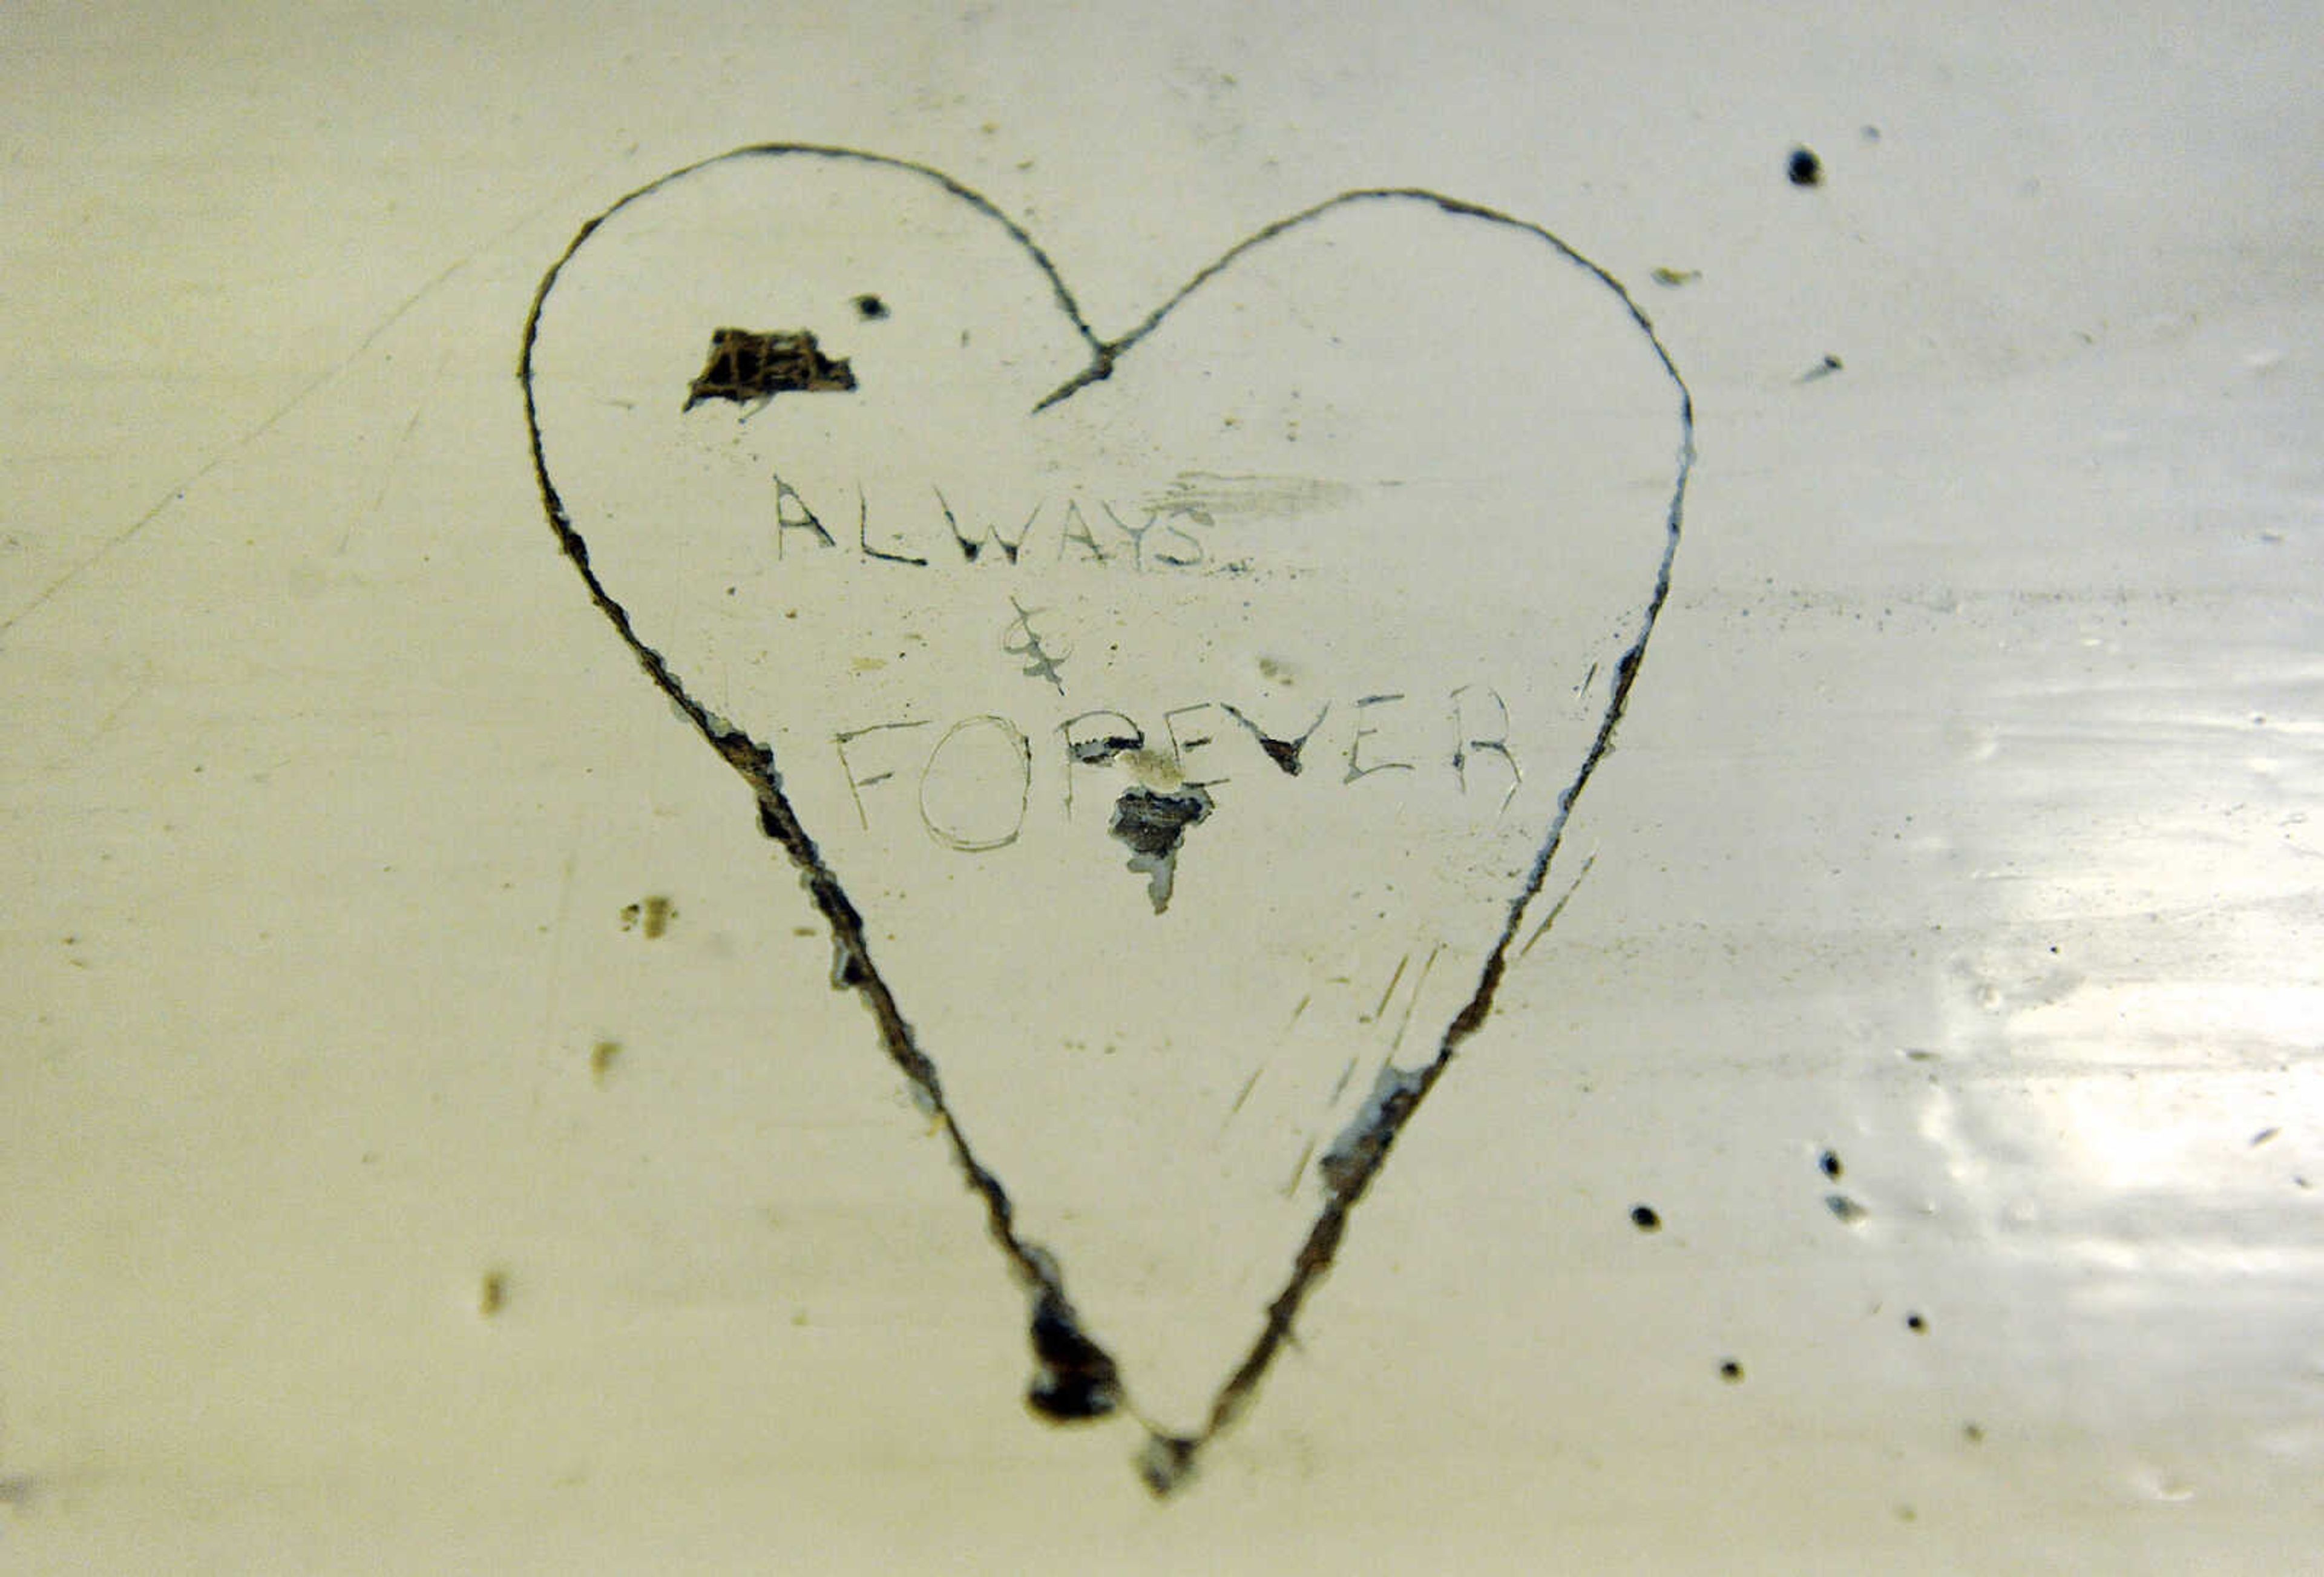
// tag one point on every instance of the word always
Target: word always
(1168, 535)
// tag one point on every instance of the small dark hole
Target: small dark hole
(1805, 169)
(1644, 1218)
(1829, 1164)
(1915, 1323)
(1731, 1372)
(871, 307)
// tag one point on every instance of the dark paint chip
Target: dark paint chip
(1154, 824)
(1097, 752)
(871, 307)
(747, 367)
(1646, 1220)
(1805, 169)
(1076, 1379)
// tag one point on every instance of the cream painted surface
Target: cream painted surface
(1960, 829)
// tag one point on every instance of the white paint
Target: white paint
(1999, 640)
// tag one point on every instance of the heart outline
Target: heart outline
(1076, 1378)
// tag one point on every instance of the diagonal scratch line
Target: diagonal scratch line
(1249, 1084)
(1413, 1004)
(1067, 1356)
(1389, 994)
(394, 461)
(1291, 1184)
(1558, 907)
(306, 392)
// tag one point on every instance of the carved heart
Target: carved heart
(1175, 728)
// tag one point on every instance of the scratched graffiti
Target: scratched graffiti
(1174, 727)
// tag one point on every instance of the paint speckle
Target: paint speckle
(1804, 168)
(652, 915)
(871, 307)
(601, 1058)
(492, 1293)
(1829, 1163)
(1844, 1210)
(1915, 1322)
(1730, 1371)
(1646, 1219)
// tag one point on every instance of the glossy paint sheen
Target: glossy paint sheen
(427, 1138)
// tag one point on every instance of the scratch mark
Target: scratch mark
(308, 390)
(1419, 981)
(395, 457)
(1249, 1084)
(1040, 662)
(112, 719)
(176, 493)
(1283, 753)
(1075, 1378)
(1291, 1185)
(1373, 1017)
(1558, 907)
